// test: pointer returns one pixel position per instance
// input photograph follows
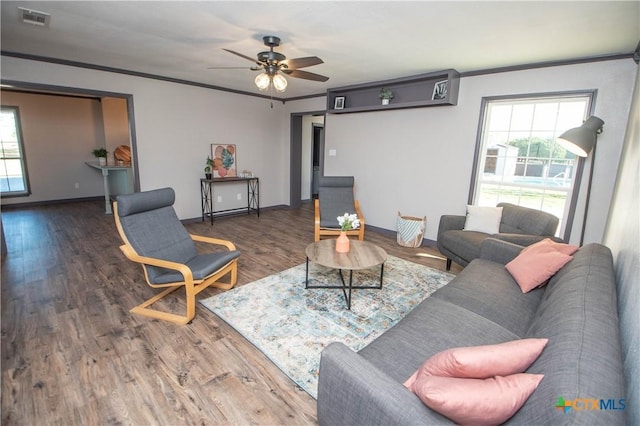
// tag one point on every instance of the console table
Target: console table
(117, 180)
(207, 196)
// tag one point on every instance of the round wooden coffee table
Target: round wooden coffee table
(361, 255)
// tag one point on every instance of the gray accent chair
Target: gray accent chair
(154, 237)
(335, 198)
(576, 311)
(519, 225)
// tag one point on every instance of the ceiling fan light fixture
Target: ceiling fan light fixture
(279, 83)
(263, 81)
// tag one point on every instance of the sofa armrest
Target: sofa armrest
(499, 251)
(352, 391)
(450, 222)
(524, 239)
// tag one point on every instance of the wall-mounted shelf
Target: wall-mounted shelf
(408, 92)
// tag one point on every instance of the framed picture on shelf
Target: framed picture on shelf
(440, 90)
(224, 161)
(339, 102)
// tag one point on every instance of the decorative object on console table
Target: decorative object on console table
(122, 155)
(440, 90)
(224, 161)
(207, 169)
(101, 155)
(386, 95)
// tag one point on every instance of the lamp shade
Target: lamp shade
(581, 140)
(263, 81)
(280, 83)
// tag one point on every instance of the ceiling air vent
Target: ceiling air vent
(34, 17)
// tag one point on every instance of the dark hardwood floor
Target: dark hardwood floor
(73, 354)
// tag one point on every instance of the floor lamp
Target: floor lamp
(580, 141)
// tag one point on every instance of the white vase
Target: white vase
(102, 161)
(385, 102)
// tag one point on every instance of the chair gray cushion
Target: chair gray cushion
(154, 230)
(201, 266)
(335, 194)
(139, 202)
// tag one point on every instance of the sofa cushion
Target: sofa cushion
(481, 362)
(465, 244)
(486, 288)
(403, 348)
(523, 220)
(483, 219)
(489, 401)
(535, 265)
(578, 314)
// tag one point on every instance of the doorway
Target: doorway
(317, 161)
(306, 153)
(109, 122)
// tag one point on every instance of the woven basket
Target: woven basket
(410, 230)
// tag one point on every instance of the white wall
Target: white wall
(419, 161)
(175, 125)
(59, 133)
(623, 237)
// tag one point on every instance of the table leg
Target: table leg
(306, 276)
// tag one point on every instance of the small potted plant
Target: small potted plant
(207, 169)
(386, 95)
(101, 155)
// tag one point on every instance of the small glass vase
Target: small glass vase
(342, 243)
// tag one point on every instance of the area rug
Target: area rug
(291, 325)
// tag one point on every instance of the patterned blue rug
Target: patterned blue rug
(291, 325)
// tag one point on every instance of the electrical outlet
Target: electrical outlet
(77, 185)
(219, 198)
(239, 196)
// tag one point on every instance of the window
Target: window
(13, 170)
(518, 159)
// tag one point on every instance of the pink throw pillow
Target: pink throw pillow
(477, 401)
(535, 265)
(561, 247)
(481, 362)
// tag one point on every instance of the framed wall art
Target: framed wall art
(224, 161)
(440, 90)
(339, 102)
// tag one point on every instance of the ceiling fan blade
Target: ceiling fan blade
(305, 75)
(296, 63)
(235, 68)
(249, 58)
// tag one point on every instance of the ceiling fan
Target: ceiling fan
(274, 64)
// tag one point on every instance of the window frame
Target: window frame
(23, 159)
(579, 170)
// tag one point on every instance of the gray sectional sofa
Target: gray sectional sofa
(576, 311)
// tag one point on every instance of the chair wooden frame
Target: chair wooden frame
(191, 285)
(320, 232)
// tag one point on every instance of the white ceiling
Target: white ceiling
(358, 41)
